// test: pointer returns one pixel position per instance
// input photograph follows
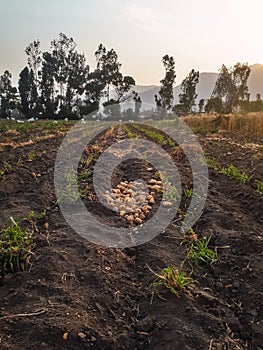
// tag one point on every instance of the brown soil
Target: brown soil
(77, 295)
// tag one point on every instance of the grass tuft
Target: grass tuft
(172, 278)
(15, 248)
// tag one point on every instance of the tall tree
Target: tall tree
(61, 50)
(138, 103)
(47, 85)
(65, 73)
(188, 95)
(201, 104)
(165, 98)
(27, 91)
(117, 87)
(214, 105)
(231, 86)
(8, 94)
(34, 59)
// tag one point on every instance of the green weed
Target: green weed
(155, 135)
(2, 174)
(259, 187)
(31, 156)
(8, 166)
(188, 192)
(198, 251)
(212, 163)
(174, 279)
(15, 248)
(233, 173)
(84, 176)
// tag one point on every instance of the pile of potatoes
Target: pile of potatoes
(134, 200)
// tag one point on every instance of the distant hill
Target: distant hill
(206, 85)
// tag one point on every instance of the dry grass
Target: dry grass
(248, 126)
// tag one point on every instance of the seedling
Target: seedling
(84, 176)
(156, 135)
(70, 176)
(31, 156)
(174, 279)
(212, 163)
(188, 192)
(233, 173)
(198, 251)
(15, 248)
(2, 174)
(8, 166)
(259, 187)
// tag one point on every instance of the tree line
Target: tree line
(230, 91)
(59, 83)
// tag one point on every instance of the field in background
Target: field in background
(247, 127)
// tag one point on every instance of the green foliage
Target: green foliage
(231, 86)
(233, 173)
(172, 278)
(188, 95)
(214, 105)
(198, 251)
(212, 163)
(31, 156)
(188, 192)
(165, 98)
(201, 104)
(259, 187)
(8, 94)
(155, 135)
(15, 248)
(84, 175)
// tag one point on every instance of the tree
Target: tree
(165, 98)
(138, 103)
(214, 105)
(27, 91)
(116, 86)
(64, 75)
(34, 60)
(258, 97)
(47, 85)
(188, 95)
(231, 86)
(8, 94)
(201, 105)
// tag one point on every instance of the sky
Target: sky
(199, 34)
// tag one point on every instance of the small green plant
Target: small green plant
(71, 176)
(174, 279)
(171, 193)
(129, 133)
(212, 163)
(31, 156)
(156, 135)
(2, 174)
(15, 248)
(84, 176)
(233, 173)
(259, 187)
(198, 251)
(8, 166)
(188, 192)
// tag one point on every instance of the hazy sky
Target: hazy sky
(200, 34)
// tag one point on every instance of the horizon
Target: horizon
(197, 34)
